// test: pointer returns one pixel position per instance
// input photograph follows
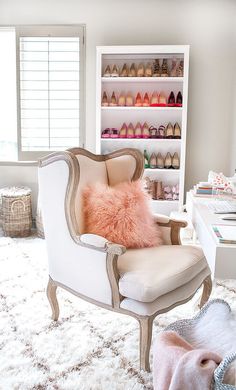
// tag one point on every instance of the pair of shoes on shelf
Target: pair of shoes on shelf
(112, 102)
(173, 131)
(172, 102)
(140, 71)
(160, 71)
(125, 100)
(177, 69)
(154, 188)
(111, 72)
(171, 193)
(158, 99)
(139, 131)
(157, 132)
(110, 133)
(142, 101)
(167, 162)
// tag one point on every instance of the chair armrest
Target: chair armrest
(173, 225)
(94, 241)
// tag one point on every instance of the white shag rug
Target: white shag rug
(87, 349)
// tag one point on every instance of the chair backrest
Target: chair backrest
(111, 169)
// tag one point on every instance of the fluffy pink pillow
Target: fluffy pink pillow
(121, 214)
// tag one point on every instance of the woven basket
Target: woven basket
(16, 211)
(39, 223)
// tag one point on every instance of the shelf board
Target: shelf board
(165, 201)
(142, 79)
(162, 170)
(133, 108)
(170, 140)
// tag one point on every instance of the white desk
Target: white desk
(220, 257)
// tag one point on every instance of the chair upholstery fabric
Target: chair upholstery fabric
(149, 273)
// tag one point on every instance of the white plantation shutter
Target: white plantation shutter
(50, 90)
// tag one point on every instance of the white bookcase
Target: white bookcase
(113, 117)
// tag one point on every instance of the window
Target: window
(50, 94)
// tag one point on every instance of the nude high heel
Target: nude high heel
(145, 131)
(124, 71)
(121, 100)
(138, 130)
(160, 161)
(169, 131)
(123, 131)
(159, 191)
(177, 131)
(154, 100)
(114, 72)
(133, 71)
(130, 131)
(107, 72)
(140, 71)
(104, 100)
(129, 101)
(175, 161)
(162, 100)
(148, 70)
(113, 102)
(168, 161)
(153, 161)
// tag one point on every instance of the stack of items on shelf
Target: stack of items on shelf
(154, 100)
(158, 191)
(158, 68)
(203, 188)
(157, 161)
(143, 131)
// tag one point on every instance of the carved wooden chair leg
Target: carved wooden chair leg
(207, 287)
(145, 324)
(52, 297)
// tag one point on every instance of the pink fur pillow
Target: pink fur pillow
(121, 214)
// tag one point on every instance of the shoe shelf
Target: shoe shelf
(110, 117)
(142, 79)
(133, 108)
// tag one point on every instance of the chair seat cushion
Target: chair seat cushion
(149, 273)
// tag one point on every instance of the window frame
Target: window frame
(77, 30)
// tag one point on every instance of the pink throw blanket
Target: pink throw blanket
(178, 366)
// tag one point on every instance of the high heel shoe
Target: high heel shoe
(169, 131)
(153, 132)
(124, 71)
(175, 161)
(129, 101)
(115, 71)
(105, 100)
(130, 131)
(114, 132)
(160, 161)
(132, 71)
(148, 70)
(107, 72)
(138, 100)
(159, 191)
(171, 99)
(177, 131)
(164, 68)
(168, 161)
(180, 69)
(179, 100)
(138, 130)
(123, 131)
(121, 100)
(113, 102)
(140, 71)
(154, 100)
(162, 100)
(156, 69)
(153, 161)
(146, 101)
(174, 67)
(161, 132)
(145, 131)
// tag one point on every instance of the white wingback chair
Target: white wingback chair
(139, 282)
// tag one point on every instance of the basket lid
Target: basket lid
(15, 191)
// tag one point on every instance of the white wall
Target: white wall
(208, 26)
